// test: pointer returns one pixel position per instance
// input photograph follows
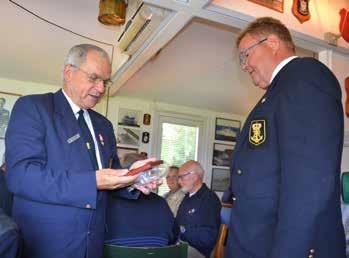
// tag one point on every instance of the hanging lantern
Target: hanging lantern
(112, 12)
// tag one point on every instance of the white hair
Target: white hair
(77, 55)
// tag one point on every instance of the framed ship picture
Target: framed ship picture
(277, 5)
(227, 129)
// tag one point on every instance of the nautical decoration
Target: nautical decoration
(300, 9)
(344, 24)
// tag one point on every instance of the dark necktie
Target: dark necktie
(87, 136)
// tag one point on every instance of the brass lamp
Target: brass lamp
(112, 12)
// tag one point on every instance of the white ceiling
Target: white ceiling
(197, 65)
(197, 68)
(36, 36)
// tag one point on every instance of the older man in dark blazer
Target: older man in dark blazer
(286, 164)
(58, 154)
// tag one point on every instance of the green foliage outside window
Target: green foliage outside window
(179, 143)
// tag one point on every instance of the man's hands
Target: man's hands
(147, 188)
(110, 179)
(140, 163)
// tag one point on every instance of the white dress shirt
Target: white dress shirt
(76, 110)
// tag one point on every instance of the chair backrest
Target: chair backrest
(345, 187)
(179, 250)
(223, 231)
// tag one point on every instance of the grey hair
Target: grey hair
(77, 54)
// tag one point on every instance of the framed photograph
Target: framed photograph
(220, 179)
(129, 117)
(7, 100)
(123, 151)
(2, 151)
(277, 5)
(222, 154)
(227, 129)
(128, 137)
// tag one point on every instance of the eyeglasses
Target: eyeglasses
(172, 177)
(180, 177)
(94, 78)
(243, 55)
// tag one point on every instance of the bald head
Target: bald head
(193, 165)
(190, 176)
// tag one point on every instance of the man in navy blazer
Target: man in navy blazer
(198, 215)
(59, 191)
(286, 164)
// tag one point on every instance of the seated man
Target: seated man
(175, 196)
(199, 213)
(10, 240)
(144, 222)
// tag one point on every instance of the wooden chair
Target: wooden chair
(172, 251)
(223, 231)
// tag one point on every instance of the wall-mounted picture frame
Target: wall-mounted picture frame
(7, 101)
(220, 179)
(227, 129)
(2, 151)
(222, 154)
(123, 151)
(128, 136)
(277, 5)
(146, 119)
(129, 117)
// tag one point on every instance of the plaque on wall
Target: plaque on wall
(277, 5)
(300, 9)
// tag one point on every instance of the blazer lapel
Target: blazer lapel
(69, 130)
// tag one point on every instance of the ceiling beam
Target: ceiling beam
(166, 31)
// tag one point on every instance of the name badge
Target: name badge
(73, 138)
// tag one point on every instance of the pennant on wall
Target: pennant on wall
(344, 24)
(300, 9)
(347, 97)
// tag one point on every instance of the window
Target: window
(178, 141)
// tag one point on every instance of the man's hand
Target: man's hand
(140, 163)
(145, 188)
(110, 179)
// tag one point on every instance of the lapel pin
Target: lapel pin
(191, 211)
(101, 139)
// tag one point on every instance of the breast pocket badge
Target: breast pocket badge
(258, 132)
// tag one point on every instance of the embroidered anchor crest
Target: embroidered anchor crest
(258, 132)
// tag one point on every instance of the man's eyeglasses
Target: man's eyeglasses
(243, 55)
(186, 174)
(171, 177)
(94, 78)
